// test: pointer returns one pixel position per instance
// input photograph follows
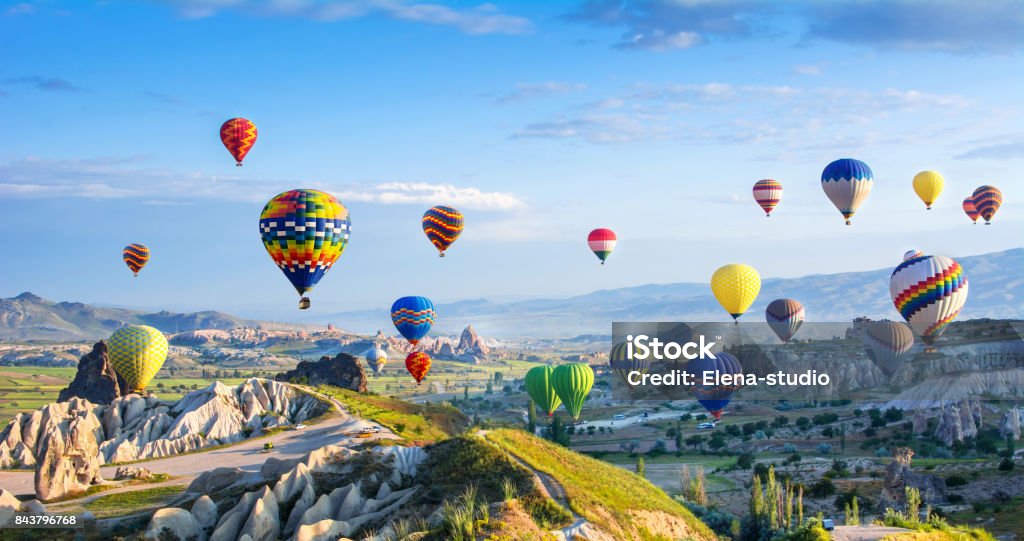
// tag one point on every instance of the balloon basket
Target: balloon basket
(239, 164)
(304, 303)
(441, 254)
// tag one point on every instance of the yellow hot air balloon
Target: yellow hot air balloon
(137, 352)
(928, 185)
(736, 287)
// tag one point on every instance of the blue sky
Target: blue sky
(539, 120)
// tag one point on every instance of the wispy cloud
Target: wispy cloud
(23, 8)
(808, 69)
(46, 84)
(1000, 151)
(482, 19)
(127, 177)
(525, 91)
(959, 26)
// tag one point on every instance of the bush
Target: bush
(822, 488)
(789, 448)
(824, 448)
(745, 461)
(1005, 464)
(882, 451)
(955, 498)
(956, 480)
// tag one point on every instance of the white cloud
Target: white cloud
(398, 193)
(807, 69)
(532, 90)
(23, 8)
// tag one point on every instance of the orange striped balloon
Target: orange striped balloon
(135, 256)
(238, 136)
(418, 364)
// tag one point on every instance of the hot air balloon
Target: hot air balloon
(442, 225)
(987, 200)
(970, 210)
(847, 183)
(714, 398)
(413, 317)
(622, 365)
(538, 386)
(418, 364)
(135, 256)
(928, 292)
(376, 358)
(572, 383)
(602, 242)
(928, 185)
(735, 286)
(785, 316)
(911, 254)
(137, 352)
(238, 136)
(767, 193)
(887, 344)
(305, 232)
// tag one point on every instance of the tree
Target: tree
(640, 467)
(745, 461)
(490, 388)
(465, 392)
(695, 441)
(558, 433)
(693, 485)
(679, 442)
(531, 418)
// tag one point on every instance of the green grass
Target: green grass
(415, 422)
(600, 492)
(124, 503)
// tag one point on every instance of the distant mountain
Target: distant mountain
(30, 317)
(996, 290)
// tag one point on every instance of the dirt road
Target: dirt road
(867, 532)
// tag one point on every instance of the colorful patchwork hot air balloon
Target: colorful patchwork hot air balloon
(238, 136)
(572, 383)
(602, 242)
(442, 225)
(929, 292)
(418, 364)
(887, 344)
(305, 232)
(987, 200)
(538, 386)
(137, 352)
(413, 317)
(847, 183)
(622, 365)
(736, 286)
(714, 398)
(911, 254)
(785, 316)
(767, 193)
(376, 358)
(970, 210)
(135, 256)
(928, 185)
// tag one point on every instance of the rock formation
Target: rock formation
(67, 450)
(1010, 424)
(131, 472)
(343, 371)
(898, 476)
(471, 344)
(959, 422)
(178, 523)
(96, 380)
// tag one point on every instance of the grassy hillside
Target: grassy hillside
(615, 499)
(414, 422)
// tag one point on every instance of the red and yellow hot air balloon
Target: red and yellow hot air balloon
(418, 364)
(238, 136)
(970, 210)
(987, 200)
(135, 256)
(767, 193)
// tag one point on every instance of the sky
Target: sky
(538, 120)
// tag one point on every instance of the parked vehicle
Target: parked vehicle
(703, 426)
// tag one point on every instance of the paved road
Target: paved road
(638, 419)
(868, 532)
(246, 455)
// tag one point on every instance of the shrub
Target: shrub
(824, 448)
(956, 480)
(1005, 464)
(882, 451)
(745, 461)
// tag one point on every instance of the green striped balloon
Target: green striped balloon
(572, 383)
(538, 386)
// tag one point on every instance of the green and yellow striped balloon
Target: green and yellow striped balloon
(572, 383)
(538, 386)
(137, 352)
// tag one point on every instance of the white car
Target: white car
(618, 417)
(300, 426)
(703, 426)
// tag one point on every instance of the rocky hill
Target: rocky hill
(343, 371)
(469, 347)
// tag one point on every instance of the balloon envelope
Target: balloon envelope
(622, 365)
(137, 352)
(736, 286)
(413, 317)
(376, 358)
(135, 256)
(602, 241)
(887, 344)
(442, 225)
(987, 200)
(305, 232)
(929, 292)
(538, 386)
(784, 316)
(847, 183)
(928, 185)
(767, 193)
(418, 364)
(238, 136)
(911, 254)
(572, 383)
(970, 210)
(714, 398)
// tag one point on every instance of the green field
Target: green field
(125, 503)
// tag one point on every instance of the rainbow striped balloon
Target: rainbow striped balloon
(970, 210)
(929, 292)
(135, 256)
(413, 317)
(767, 193)
(442, 225)
(987, 200)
